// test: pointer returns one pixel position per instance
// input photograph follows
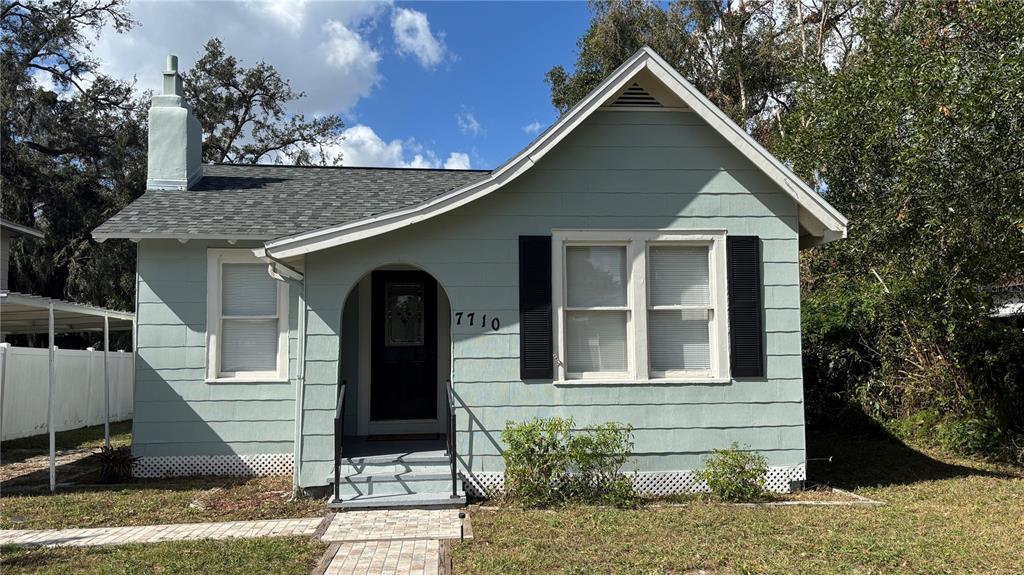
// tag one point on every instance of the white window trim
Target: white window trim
(216, 258)
(637, 243)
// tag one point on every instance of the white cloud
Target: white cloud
(363, 147)
(457, 161)
(468, 123)
(413, 36)
(289, 14)
(289, 35)
(533, 127)
(349, 53)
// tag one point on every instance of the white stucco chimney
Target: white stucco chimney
(175, 158)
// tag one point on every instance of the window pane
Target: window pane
(596, 275)
(247, 289)
(248, 345)
(678, 340)
(403, 314)
(596, 341)
(678, 275)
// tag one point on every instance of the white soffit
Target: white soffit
(670, 89)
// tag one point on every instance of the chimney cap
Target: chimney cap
(172, 63)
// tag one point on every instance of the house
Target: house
(9, 231)
(637, 262)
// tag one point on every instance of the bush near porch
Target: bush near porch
(549, 463)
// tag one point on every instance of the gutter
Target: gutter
(285, 273)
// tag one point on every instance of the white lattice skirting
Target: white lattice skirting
(195, 465)
(652, 483)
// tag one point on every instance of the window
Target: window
(640, 305)
(596, 311)
(404, 310)
(678, 310)
(247, 319)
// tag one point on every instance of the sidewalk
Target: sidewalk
(406, 541)
(401, 541)
(157, 533)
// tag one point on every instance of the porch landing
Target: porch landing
(391, 474)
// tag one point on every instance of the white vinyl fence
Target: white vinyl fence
(78, 396)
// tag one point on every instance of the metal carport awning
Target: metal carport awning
(23, 314)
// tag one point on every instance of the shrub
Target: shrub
(548, 463)
(116, 464)
(735, 475)
(969, 436)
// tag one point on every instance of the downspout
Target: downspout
(285, 273)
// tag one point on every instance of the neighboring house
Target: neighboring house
(1008, 298)
(8, 231)
(637, 262)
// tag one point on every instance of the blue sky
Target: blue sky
(441, 84)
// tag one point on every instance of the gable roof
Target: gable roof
(819, 221)
(261, 202)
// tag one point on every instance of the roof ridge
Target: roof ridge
(395, 168)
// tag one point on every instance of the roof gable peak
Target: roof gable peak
(660, 80)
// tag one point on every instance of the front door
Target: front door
(403, 366)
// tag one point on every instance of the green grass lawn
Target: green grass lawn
(85, 437)
(153, 501)
(285, 555)
(28, 504)
(942, 515)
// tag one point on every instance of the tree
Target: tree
(73, 148)
(244, 117)
(919, 142)
(74, 140)
(744, 55)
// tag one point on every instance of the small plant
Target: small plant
(116, 464)
(548, 463)
(969, 436)
(735, 475)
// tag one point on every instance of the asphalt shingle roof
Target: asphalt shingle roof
(266, 201)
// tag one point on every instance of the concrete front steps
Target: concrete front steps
(402, 475)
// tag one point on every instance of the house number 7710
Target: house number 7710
(470, 319)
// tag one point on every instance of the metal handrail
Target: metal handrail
(451, 438)
(339, 432)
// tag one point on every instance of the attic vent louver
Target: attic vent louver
(636, 96)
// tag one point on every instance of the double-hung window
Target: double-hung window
(597, 313)
(640, 306)
(247, 319)
(679, 310)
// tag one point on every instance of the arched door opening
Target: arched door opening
(396, 354)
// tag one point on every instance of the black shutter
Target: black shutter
(535, 350)
(746, 324)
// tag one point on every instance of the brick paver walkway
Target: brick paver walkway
(396, 524)
(392, 541)
(405, 541)
(411, 557)
(155, 533)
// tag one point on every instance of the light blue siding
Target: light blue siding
(625, 170)
(176, 412)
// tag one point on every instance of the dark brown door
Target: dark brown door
(403, 370)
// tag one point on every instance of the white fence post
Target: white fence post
(49, 408)
(3, 381)
(106, 381)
